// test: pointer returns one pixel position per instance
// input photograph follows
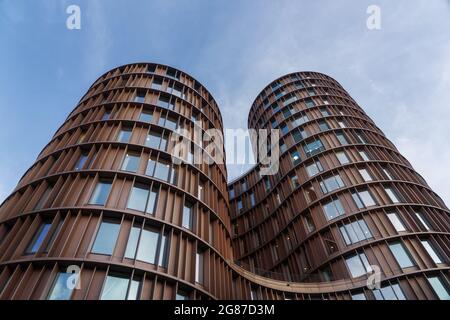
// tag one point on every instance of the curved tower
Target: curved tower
(345, 202)
(104, 212)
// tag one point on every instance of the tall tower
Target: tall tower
(105, 207)
(345, 202)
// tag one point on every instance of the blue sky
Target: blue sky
(400, 74)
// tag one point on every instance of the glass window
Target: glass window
(252, 199)
(146, 116)
(44, 198)
(342, 157)
(361, 138)
(133, 239)
(38, 237)
(157, 84)
(164, 251)
(164, 102)
(284, 129)
(295, 157)
(116, 288)
(162, 171)
(333, 209)
(309, 223)
(106, 115)
(324, 112)
(140, 97)
(199, 266)
(364, 155)
(365, 175)
(363, 199)
(294, 181)
(182, 295)
(156, 140)
(105, 241)
(358, 296)
(101, 193)
(148, 244)
(323, 125)
(396, 222)
(427, 245)
(342, 139)
(313, 147)
(131, 162)
(124, 135)
(389, 292)
(81, 160)
(188, 216)
(401, 255)
(143, 199)
(314, 168)
(388, 175)
(342, 124)
(309, 103)
(355, 232)
(60, 289)
(231, 192)
(358, 265)
(439, 288)
(423, 221)
(391, 195)
(332, 183)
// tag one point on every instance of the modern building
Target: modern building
(105, 200)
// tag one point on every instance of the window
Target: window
(324, 112)
(364, 155)
(149, 240)
(38, 237)
(160, 170)
(427, 245)
(231, 192)
(309, 103)
(388, 175)
(361, 138)
(169, 122)
(299, 120)
(199, 266)
(314, 168)
(60, 290)
(423, 221)
(333, 209)
(439, 288)
(252, 199)
(105, 240)
(295, 157)
(363, 199)
(177, 90)
(188, 216)
(309, 223)
(323, 125)
(81, 160)
(358, 296)
(140, 97)
(342, 139)
(106, 115)
(299, 135)
(294, 181)
(156, 140)
(355, 232)
(172, 73)
(182, 295)
(120, 287)
(396, 222)
(131, 162)
(358, 265)
(101, 193)
(267, 184)
(283, 146)
(401, 255)
(342, 124)
(146, 116)
(365, 175)
(313, 147)
(239, 205)
(391, 195)
(157, 84)
(284, 129)
(332, 183)
(342, 157)
(143, 199)
(389, 292)
(148, 243)
(287, 112)
(124, 135)
(44, 198)
(164, 102)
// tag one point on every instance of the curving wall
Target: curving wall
(105, 198)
